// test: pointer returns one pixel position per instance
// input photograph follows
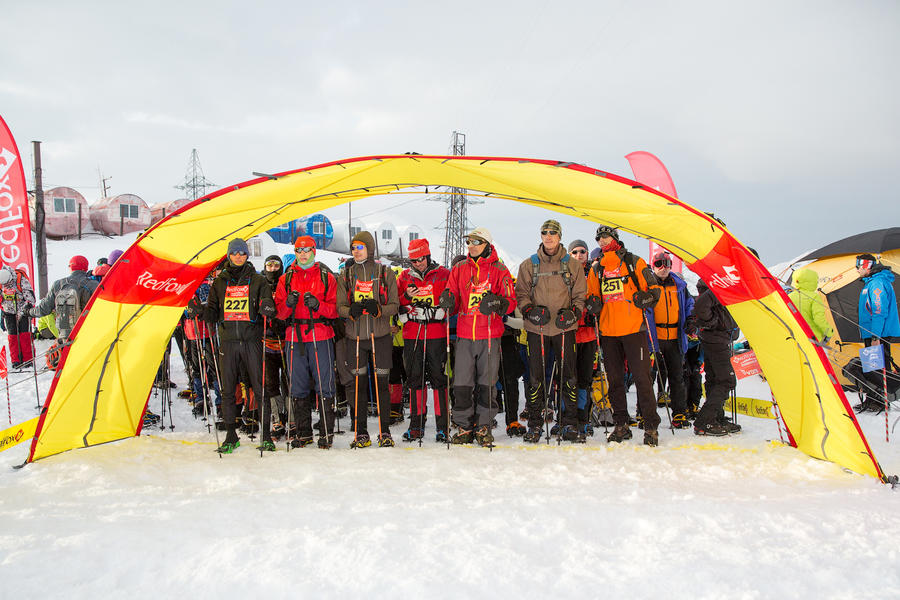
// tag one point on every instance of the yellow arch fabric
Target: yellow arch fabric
(108, 370)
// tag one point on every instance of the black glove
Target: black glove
(446, 300)
(356, 310)
(371, 307)
(493, 303)
(644, 300)
(566, 318)
(593, 305)
(690, 325)
(194, 307)
(310, 301)
(292, 299)
(267, 308)
(537, 314)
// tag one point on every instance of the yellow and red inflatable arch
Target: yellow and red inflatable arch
(107, 372)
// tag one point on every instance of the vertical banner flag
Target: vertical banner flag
(3, 369)
(15, 224)
(650, 171)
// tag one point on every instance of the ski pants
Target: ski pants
(511, 369)
(423, 360)
(585, 352)
(561, 348)
(671, 365)
(360, 351)
(720, 380)
(19, 333)
(477, 363)
(633, 348)
(308, 362)
(198, 356)
(235, 356)
(693, 382)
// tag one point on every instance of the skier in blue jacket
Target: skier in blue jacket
(878, 320)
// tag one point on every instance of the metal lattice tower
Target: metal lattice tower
(195, 184)
(456, 208)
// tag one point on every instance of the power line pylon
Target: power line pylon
(195, 184)
(457, 203)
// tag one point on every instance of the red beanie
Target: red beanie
(78, 263)
(418, 248)
(304, 241)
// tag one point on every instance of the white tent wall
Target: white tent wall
(387, 238)
(341, 240)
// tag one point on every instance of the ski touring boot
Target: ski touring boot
(570, 434)
(385, 441)
(555, 429)
(301, 441)
(651, 437)
(412, 435)
(619, 434)
(515, 429)
(361, 441)
(533, 435)
(462, 436)
(267, 446)
(484, 437)
(680, 421)
(325, 441)
(711, 429)
(440, 437)
(587, 430)
(231, 442)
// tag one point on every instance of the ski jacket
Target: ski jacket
(469, 281)
(233, 303)
(808, 300)
(273, 336)
(77, 279)
(715, 323)
(615, 279)
(319, 282)
(555, 281)
(668, 317)
(363, 281)
(878, 305)
(199, 331)
(430, 284)
(18, 295)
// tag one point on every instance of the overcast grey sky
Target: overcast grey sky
(780, 117)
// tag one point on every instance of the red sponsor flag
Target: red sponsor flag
(15, 224)
(651, 172)
(3, 370)
(745, 365)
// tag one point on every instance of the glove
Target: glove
(589, 319)
(566, 318)
(537, 315)
(446, 300)
(292, 299)
(194, 307)
(644, 300)
(371, 307)
(356, 310)
(593, 305)
(493, 303)
(310, 301)
(267, 308)
(33, 312)
(417, 313)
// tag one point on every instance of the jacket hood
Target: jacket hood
(882, 272)
(806, 280)
(366, 238)
(273, 276)
(492, 257)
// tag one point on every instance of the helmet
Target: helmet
(607, 230)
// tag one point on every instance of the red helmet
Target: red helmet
(78, 263)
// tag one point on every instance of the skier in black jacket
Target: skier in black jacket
(238, 299)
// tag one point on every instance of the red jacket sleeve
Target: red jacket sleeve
(280, 297)
(453, 286)
(505, 288)
(328, 307)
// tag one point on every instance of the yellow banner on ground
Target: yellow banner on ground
(17, 433)
(753, 407)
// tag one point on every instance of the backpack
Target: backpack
(67, 306)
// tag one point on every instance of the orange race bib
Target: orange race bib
(612, 287)
(237, 303)
(425, 295)
(477, 293)
(363, 291)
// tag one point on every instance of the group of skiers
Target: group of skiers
(289, 341)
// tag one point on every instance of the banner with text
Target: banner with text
(15, 223)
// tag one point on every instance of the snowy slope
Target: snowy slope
(162, 515)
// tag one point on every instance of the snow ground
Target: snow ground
(162, 515)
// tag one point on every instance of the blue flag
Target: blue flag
(872, 358)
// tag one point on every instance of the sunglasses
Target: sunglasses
(659, 263)
(579, 251)
(420, 259)
(474, 241)
(238, 254)
(549, 232)
(357, 246)
(304, 250)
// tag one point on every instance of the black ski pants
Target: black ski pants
(720, 380)
(633, 348)
(426, 360)
(234, 356)
(560, 347)
(511, 370)
(671, 365)
(692, 379)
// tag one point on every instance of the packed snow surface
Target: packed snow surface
(162, 515)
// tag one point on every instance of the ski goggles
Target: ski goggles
(864, 263)
(474, 241)
(273, 263)
(357, 246)
(665, 261)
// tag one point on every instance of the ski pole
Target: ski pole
(560, 389)
(356, 392)
(886, 402)
(262, 403)
(422, 394)
(375, 370)
(658, 371)
(604, 394)
(204, 381)
(447, 379)
(290, 402)
(323, 412)
(544, 387)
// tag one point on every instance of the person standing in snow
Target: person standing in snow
(878, 319)
(480, 292)
(18, 298)
(424, 332)
(366, 300)
(83, 288)
(620, 288)
(238, 300)
(809, 302)
(585, 348)
(550, 291)
(670, 342)
(273, 340)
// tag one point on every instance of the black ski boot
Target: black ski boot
(231, 442)
(326, 441)
(533, 435)
(301, 441)
(570, 433)
(712, 429)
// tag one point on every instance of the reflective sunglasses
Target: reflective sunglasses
(474, 241)
(659, 263)
(420, 259)
(307, 250)
(238, 254)
(549, 232)
(357, 246)
(273, 263)
(863, 263)
(579, 251)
